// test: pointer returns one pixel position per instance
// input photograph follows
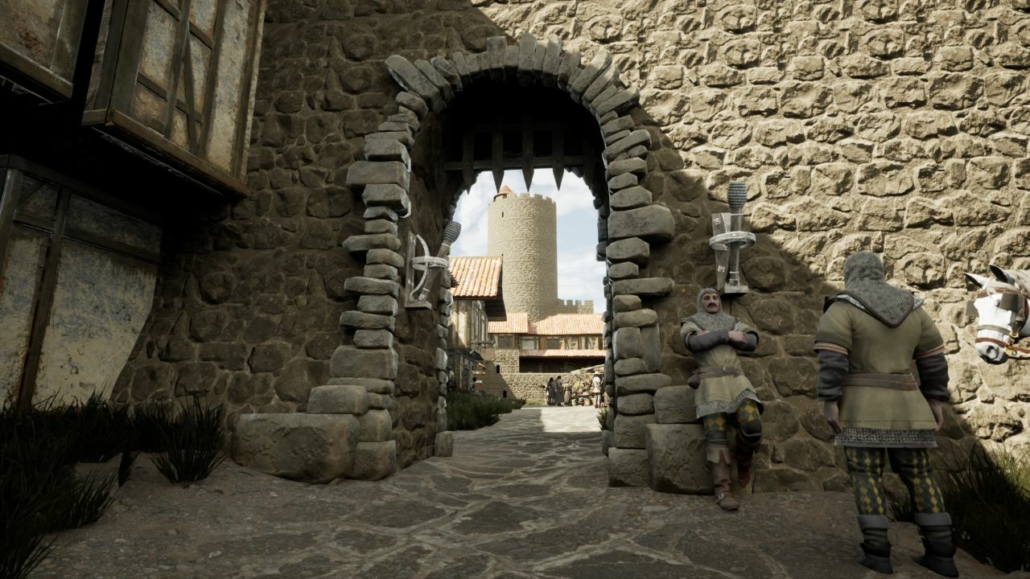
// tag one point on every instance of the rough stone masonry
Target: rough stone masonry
(898, 127)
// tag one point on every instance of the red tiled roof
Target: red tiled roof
(568, 325)
(505, 190)
(515, 324)
(477, 277)
(562, 354)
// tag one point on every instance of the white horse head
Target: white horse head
(1001, 307)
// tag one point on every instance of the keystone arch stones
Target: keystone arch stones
(629, 220)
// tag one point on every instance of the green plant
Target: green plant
(602, 417)
(39, 492)
(989, 502)
(191, 444)
(465, 412)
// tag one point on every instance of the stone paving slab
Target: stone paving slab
(525, 498)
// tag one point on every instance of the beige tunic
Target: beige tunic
(723, 393)
(875, 416)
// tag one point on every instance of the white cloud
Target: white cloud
(580, 275)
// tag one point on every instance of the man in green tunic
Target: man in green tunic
(714, 337)
(870, 339)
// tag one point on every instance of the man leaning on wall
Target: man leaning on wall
(867, 340)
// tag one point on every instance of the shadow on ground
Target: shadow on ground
(525, 498)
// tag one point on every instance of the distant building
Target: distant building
(542, 335)
(477, 300)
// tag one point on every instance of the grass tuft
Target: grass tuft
(465, 412)
(989, 502)
(191, 443)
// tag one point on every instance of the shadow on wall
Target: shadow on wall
(250, 296)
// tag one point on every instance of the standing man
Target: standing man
(714, 337)
(869, 338)
(595, 389)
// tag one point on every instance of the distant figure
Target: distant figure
(552, 395)
(595, 389)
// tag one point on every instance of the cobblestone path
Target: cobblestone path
(527, 497)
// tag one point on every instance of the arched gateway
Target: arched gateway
(629, 223)
(365, 371)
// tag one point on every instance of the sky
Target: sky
(580, 275)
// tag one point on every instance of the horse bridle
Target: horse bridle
(1017, 303)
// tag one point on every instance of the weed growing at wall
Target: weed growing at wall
(465, 412)
(989, 503)
(40, 492)
(191, 443)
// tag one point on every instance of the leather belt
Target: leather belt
(893, 381)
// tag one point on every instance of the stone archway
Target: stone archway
(631, 224)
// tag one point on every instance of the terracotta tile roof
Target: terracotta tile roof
(505, 190)
(477, 277)
(568, 325)
(562, 354)
(516, 324)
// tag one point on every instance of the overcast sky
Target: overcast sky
(580, 275)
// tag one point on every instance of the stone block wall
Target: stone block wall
(895, 127)
(871, 124)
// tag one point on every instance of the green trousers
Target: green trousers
(865, 467)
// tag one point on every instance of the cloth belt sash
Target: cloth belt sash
(705, 372)
(892, 381)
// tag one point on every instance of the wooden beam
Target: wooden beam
(8, 204)
(44, 305)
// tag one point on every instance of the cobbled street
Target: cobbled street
(527, 497)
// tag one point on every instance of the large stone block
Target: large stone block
(363, 173)
(634, 249)
(444, 444)
(314, 448)
(635, 404)
(652, 222)
(376, 426)
(651, 339)
(645, 286)
(627, 343)
(338, 399)
(676, 459)
(675, 405)
(625, 385)
(374, 460)
(636, 318)
(350, 362)
(627, 468)
(630, 431)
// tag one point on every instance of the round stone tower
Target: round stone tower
(523, 230)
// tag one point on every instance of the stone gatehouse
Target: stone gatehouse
(896, 127)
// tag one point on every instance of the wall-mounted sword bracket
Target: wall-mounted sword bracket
(728, 238)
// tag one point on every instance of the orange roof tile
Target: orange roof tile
(505, 190)
(516, 324)
(477, 277)
(568, 325)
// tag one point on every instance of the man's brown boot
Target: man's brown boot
(723, 487)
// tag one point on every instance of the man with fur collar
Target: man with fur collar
(869, 339)
(714, 337)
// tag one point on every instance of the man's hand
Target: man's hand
(737, 337)
(938, 414)
(832, 413)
